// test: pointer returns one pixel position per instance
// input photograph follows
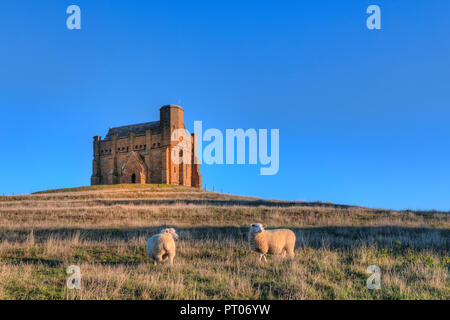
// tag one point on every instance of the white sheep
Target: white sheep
(161, 247)
(276, 242)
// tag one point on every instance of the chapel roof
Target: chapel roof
(138, 129)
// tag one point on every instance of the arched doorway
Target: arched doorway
(133, 178)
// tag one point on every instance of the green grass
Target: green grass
(44, 233)
(211, 270)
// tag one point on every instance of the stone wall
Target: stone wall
(147, 157)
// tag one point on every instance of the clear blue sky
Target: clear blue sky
(364, 116)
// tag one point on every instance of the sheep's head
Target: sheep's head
(256, 228)
(170, 231)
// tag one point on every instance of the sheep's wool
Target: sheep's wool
(279, 241)
(258, 242)
(161, 247)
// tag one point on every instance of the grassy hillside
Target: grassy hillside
(103, 230)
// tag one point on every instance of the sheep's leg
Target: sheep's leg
(171, 259)
(291, 254)
(260, 256)
(159, 258)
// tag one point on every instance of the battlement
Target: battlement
(142, 153)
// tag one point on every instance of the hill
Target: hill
(103, 230)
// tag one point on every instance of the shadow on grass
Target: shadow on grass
(313, 237)
(224, 203)
(52, 263)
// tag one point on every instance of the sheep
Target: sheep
(277, 242)
(161, 247)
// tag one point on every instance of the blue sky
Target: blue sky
(363, 115)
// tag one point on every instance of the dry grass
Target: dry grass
(103, 230)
